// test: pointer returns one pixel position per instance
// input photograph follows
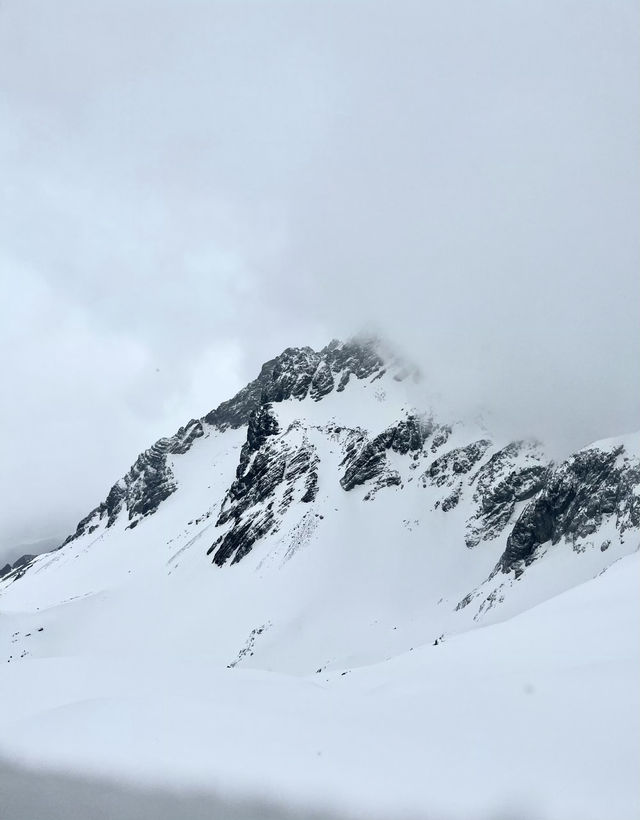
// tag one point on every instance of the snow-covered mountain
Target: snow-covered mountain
(306, 557)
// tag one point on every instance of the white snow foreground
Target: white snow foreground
(334, 668)
(535, 717)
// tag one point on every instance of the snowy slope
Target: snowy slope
(199, 624)
(540, 712)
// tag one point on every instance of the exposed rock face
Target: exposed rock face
(146, 485)
(287, 376)
(262, 424)
(18, 568)
(585, 491)
(410, 434)
(440, 437)
(367, 459)
(258, 473)
(23, 561)
(455, 463)
(512, 474)
(270, 473)
(452, 500)
(515, 473)
(296, 373)
(365, 462)
(322, 381)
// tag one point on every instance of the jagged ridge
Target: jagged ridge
(295, 373)
(277, 468)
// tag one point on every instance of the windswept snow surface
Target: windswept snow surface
(309, 672)
(538, 715)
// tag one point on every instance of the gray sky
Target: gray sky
(188, 187)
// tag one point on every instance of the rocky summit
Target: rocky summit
(499, 493)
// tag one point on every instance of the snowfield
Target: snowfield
(360, 659)
(538, 716)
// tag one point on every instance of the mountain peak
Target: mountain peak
(298, 372)
(318, 427)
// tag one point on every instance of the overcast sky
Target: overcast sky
(188, 187)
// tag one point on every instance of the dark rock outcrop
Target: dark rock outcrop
(365, 463)
(452, 500)
(147, 484)
(269, 473)
(23, 561)
(18, 568)
(410, 434)
(515, 473)
(296, 373)
(259, 470)
(448, 467)
(366, 459)
(578, 497)
(322, 381)
(440, 437)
